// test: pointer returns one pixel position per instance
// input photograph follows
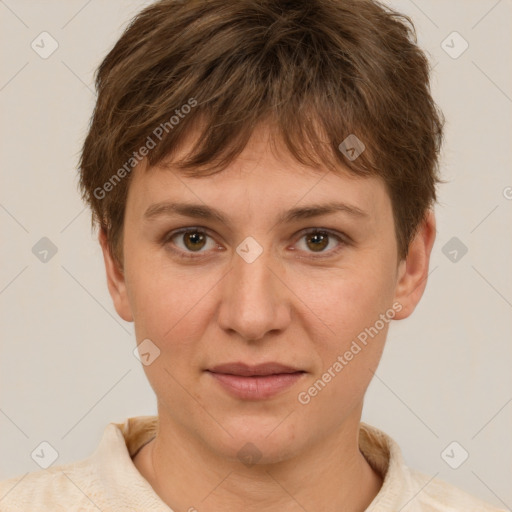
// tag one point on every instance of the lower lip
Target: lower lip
(256, 388)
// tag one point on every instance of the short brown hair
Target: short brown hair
(316, 70)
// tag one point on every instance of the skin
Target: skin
(293, 305)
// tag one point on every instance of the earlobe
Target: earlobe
(115, 280)
(413, 271)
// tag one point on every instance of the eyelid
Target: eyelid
(342, 238)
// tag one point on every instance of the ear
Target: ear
(115, 280)
(413, 270)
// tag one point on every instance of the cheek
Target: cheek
(345, 302)
(169, 305)
(349, 350)
(349, 316)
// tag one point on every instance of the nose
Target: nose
(255, 301)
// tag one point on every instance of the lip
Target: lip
(255, 382)
(245, 370)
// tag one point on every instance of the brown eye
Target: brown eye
(322, 242)
(317, 241)
(189, 243)
(194, 240)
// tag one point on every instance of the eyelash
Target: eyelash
(342, 239)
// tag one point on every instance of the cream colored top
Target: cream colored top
(109, 481)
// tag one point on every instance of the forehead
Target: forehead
(264, 178)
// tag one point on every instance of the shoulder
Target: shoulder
(407, 489)
(106, 480)
(436, 495)
(55, 489)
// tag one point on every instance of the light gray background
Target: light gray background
(67, 367)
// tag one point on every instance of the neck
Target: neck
(331, 475)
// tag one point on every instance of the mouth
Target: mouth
(255, 382)
(259, 370)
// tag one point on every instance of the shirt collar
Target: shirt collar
(385, 457)
(124, 483)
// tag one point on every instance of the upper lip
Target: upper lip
(245, 370)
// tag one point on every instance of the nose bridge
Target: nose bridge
(253, 301)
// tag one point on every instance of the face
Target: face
(313, 293)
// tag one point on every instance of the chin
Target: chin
(257, 441)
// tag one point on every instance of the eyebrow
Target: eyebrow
(200, 211)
